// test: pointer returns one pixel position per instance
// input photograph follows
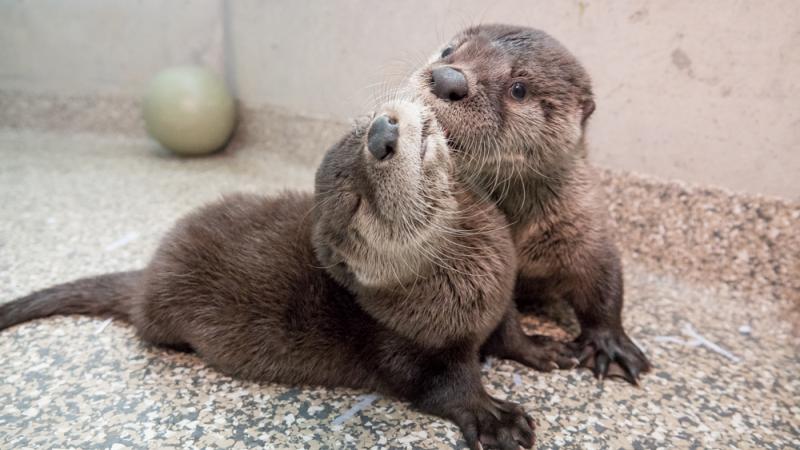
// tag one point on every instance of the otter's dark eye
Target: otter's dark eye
(518, 90)
(447, 52)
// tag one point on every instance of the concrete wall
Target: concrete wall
(84, 47)
(707, 92)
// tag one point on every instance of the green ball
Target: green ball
(189, 110)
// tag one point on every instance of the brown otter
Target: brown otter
(389, 278)
(514, 104)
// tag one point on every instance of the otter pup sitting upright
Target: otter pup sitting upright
(390, 278)
(514, 105)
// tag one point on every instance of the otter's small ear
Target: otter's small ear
(360, 124)
(588, 108)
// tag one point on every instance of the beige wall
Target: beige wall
(707, 92)
(80, 47)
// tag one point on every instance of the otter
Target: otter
(388, 278)
(514, 104)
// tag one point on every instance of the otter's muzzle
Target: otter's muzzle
(382, 137)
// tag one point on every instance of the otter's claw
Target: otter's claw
(611, 354)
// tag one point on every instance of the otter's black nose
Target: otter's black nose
(449, 83)
(382, 137)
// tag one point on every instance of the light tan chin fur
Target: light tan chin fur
(401, 257)
(395, 263)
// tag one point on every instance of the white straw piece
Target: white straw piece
(102, 326)
(365, 401)
(126, 239)
(698, 339)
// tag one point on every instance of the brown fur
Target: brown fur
(333, 289)
(528, 156)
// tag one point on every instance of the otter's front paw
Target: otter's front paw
(611, 353)
(495, 423)
(545, 354)
(540, 352)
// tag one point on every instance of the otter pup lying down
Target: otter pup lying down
(389, 278)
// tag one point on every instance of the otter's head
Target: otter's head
(381, 193)
(509, 98)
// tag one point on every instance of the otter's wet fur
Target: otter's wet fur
(515, 104)
(389, 278)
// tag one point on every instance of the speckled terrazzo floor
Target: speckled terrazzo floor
(726, 358)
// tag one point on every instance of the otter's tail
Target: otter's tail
(105, 295)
